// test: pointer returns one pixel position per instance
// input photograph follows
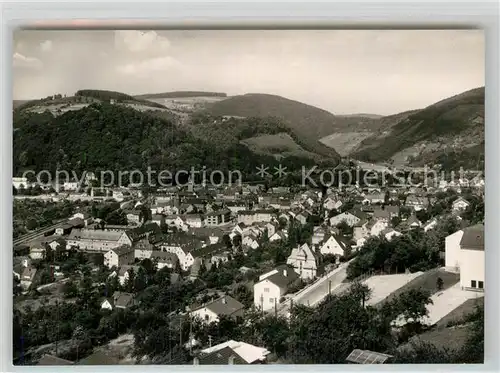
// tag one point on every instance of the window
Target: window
(266, 290)
(480, 284)
(271, 300)
(206, 317)
(473, 284)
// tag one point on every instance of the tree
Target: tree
(162, 276)
(274, 333)
(70, 289)
(439, 283)
(237, 240)
(344, 228)
(140, 280)
(31, 224)
(130, 281)
(226, 240)
(360, 291)
(412, 304)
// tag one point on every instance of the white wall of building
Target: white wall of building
(472, 268)
(452, 251)
(265, 294)
(205, 315)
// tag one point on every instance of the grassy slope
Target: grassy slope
(277, 144)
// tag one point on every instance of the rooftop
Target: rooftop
(473, 238)
(367, 357)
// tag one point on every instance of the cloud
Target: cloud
(23, 61)
(141, 41)
(148, 66)
(46, 46)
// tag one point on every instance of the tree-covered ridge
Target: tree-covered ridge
(181, 94)
(460, 115)
(227, 131)
(114, 137)
(104, 95)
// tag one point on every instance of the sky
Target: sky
(343, 71)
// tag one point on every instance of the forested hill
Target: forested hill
(181, 94)
(449, 132)
(115, 137)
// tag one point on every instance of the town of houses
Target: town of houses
(196, 227)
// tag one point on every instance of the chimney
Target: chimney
(231, 360)
(196, 361)
(284, 272)
(224, 300)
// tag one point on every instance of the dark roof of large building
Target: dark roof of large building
(122, 300)
(209, 250)
(122, 250)
(164, 256)
(223, 211)
(473, 238)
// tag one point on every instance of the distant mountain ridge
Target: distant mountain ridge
(447, 127)
(180, 94)
(308, 122)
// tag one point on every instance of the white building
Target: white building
(334, 245)
(119, 256)
(97, 240)
(460, 204)
(20, 182)
(304, 262)
(224, 306)
(452, 251)
(349, 218)
(465, 254)
(272, 286)
(71, 185)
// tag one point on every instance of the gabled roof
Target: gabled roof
(249, 353)
(122, 300)
(461, 199)
(412, 220)
(221, 357)
(280, 279)
(343, 243)
(225, 305)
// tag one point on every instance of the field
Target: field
(186, 104)
(461, 311)
(345, 142)
(427, 281)
(279, 144)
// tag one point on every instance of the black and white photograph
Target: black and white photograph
(233, 197)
